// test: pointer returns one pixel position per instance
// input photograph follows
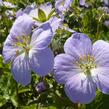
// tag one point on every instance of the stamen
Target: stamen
(86, 63)
(23, 42)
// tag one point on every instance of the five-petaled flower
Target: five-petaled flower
(28, 53)
(83, 68)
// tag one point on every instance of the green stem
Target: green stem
(77, 106)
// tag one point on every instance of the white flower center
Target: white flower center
(86, 63)
(24, 43)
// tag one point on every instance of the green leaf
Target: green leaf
(49, 107)
(14, 101)
(2, 101)
(23, 90)
(41, 15)
(29, 107)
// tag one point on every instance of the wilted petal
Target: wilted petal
(21, 69)
(78, 45)
(102, 78)
(64, 67)
(22, 26)
(42, 37)
(42, 61)
(101, 53)
(80, 89)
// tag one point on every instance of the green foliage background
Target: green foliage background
(14, 96)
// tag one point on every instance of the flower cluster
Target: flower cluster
(83, 68)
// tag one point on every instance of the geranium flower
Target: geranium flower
(28, 53)
(83, 68)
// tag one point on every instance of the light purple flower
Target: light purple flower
(62, 5)
(28, 53)
(83, 68)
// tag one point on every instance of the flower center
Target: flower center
(24, 43)
(86, 63)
